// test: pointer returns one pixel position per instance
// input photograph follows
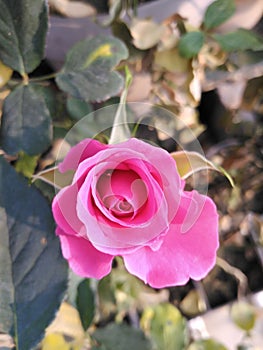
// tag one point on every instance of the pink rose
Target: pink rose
(128, 200)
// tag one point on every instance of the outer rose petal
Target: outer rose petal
(83, 150)
(182, 255)
(64, 211)
(83, 258)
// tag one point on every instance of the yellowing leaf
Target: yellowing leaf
(5, 74)
(206, 344)
(192, 304)
(102, 51)
(171, 61)
(55, 342)
(26, 164)
(54, 177)
(146, 33)
(244, 315)
(93, 57)
(189, 163)
(65, 332)
(73, 9)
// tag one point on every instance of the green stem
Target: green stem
(43, 77)
(26, 79)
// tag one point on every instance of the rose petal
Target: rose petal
(83, 150)
(64, 211)
(159, 159)
(126, 187)
(105, 231)
(137, 188)
(102, 227)
(182, 255)
(113, 239)
(83, 258)
(171, 190)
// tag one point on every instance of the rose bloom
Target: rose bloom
(128, 200)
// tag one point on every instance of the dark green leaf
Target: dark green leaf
(73, 282)
(78, 109)
(23, 27)
(26, 122)
(47, 190)
(87, 73)
(218, 12)
(190, 44)
(33, 275)
(206, 344)
(106, 294)
(240, 40)
(55, 102)
(85, 303)
(92, 124)
(121, 336)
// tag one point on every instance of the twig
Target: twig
(238, 274)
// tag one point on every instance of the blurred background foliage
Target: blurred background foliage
(62, 60)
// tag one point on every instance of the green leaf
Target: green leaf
(239, 40)
(190, 44)
(47, 191)
(55, 102)
(206, 344)
(23, 28)
(166, 327)
(106, 295)
(73, 282)
(218, 12)
(33, 274)
(26, 121)
(78, 109)
(85, 302)
(119, 337)
(87, 73)
(99, 121)
(244, 315)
